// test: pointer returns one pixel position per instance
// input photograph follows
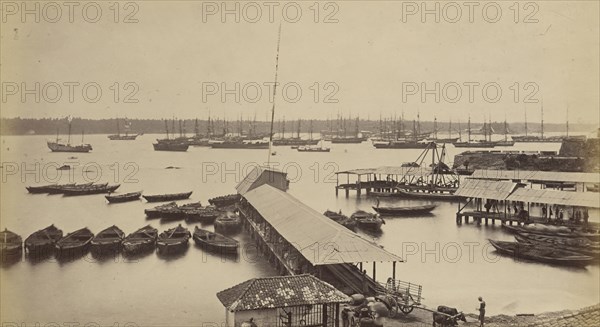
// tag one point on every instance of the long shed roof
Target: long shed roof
(531, 175)
(389, 170)
(319, 239)
(485, 189)
(578, 199)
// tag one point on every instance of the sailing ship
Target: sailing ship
(403, 140)
(437, 139)
(126, 137)
(477, 143)
(347, 139)
(294, 141)
(540, 138)
(176, 144)
(56, 146)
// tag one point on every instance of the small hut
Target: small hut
(286, 301)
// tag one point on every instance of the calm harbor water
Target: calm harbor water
(454, 264)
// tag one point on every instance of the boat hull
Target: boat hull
(124, 198)
(57, 147)
(398, 211)
(167, 197)
(173, 147)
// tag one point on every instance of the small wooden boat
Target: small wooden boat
(541, 253)
(228, 222)
(64, 167)
(77, 242)
(44, 240)
(59, 189)
(119, 198)
(368, 220)
(92, 189)
(167, 197)
(158, 211)
(142, 240)
(204, 215)
(403, 210)
(560, 231)
(11, 244)
(214, 241)
(173, 240)
(569, 244)
(46, 188)
(341, 219)
(225, 200)
(108, 240)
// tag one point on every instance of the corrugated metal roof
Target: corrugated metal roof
(390, 170)
(485, 189)
(579, 199)
(248, 183)
(280, 291)
(530, 175)
(319, 239)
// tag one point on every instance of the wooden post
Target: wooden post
(324, 314)
(374, 271)
(336, 322)
(394, 270)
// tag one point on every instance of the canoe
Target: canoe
(543, 240)
(46, 188)
(214, 241)
(341, 219)
(173, 240)
(427, 195)
(44, 240)
(108, 240)
(10, 244)
(76, 243)
(228, 222)
(367, 220)
(541, 253)
(123, 197)
(404, 210)
(225, 200)
(204, 215)
(142, 240)
(561, 231)
(167, 197)
(91, 189)
(157, 211)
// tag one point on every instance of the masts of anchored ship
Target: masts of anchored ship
(59, 147)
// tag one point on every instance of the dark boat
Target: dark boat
(319, 148)
(474, 144)
(44, 240)
(119, 198)
(58, 147)
(541, 253)
(46, 188)
(157, 211)
(108, 240)
(11, 244)
(225, 200)
(195, 212)
(228, 222)
(126, 137)
(60, 189)
(167, 197)
(170, 145)
(341, 219)
(142, 240)
(367, 220)
(294, 141)
(552, 231)
(579, 245)
(403, 210)
(239, 144)
(91, 189)
(401, 145)
(173, 240)
(75, 243)
(214, 241)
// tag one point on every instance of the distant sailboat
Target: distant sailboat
(60, 147)
(126, 137)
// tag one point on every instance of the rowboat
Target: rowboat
(403, 210)
(541, 253)
(75, 243)
(142, 240)
(225, 200)
(204, 215)
(228, 222)
(119, 198)
(571, 244)
(59, 189)
(91, 189)
(157, 211)
(108, 240)
(46, 188)
(10, 244)
(43, 241)
(173, 240)
(214, 241)
(167, 197)
(341, 219)
(367, 220)
(560, 231)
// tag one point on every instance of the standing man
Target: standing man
(481, 311)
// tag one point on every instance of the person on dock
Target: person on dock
(481, 311)
(586, 216)
(487, 206)
(544, 211)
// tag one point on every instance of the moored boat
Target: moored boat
(167, 197)
(142, 240)
(403, 210)
(108, 240)
(560, 231)
(11, 244)
(173, 240)
(119, 198)
(75, 243)
(341, 219)
(91, 189)
(541, 253)
(43, 241)
(569, 244)
(46, 188)
(228, 222)
(214, 241)
(157, 211)
(367, 220)
(225, 200)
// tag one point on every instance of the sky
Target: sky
(185, 59)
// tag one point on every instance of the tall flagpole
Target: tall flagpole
(274, 93)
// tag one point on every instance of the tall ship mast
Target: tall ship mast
(126, 137)
(61, 147)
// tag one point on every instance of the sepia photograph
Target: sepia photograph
(299, 163)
